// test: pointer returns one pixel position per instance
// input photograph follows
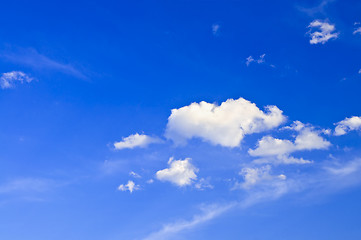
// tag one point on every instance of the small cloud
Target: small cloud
(357, 29)
(150, 181)
(324, 32)
(347, 125)
(9, 79)
(254, 176)
(278, 150)
(180, 172)
(260, 60)
(359, 71)
(203, 184)
(134, 174)
(215, 29)
(135, 140)
(130, 186)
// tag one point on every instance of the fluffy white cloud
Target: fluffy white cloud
(8, 80)
(325, 31)
(130, 186)
(278, 150)
(225, 125)
(348, 124)
(180, 172)
(250, 59)
(135, 140)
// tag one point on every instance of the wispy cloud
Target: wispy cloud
(208, 213)
(9, 79)
(26, 185)
(321, 32)
(320, 8)
(215, 29)
(357, 29)
(33, 59)
(260, 60)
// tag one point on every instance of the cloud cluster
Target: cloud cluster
(224, 125)
(325, 31)
(180, 172)
(348, 124)
(9, 79)
(279, 150)
(135, 140)
(260, 60)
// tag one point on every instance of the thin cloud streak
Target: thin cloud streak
(33, 59)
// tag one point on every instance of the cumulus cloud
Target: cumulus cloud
(130, 186)
(135, 140)
(321, 32)
(348, 124)
(279, 150)
(225, 125)
(9, 79)
(180, 172)
(260, 60)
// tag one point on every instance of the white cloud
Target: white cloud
(254, 176)
(130, 186)
(278, 150)
(208, 213)
(346, 169)
(359, 71)
(348, 124)
(134, 174)
(203, 184)
(135, 140)
(358, 29)
(260, 60)
(180, 172)
(225, 125)
(215, 29)
(9, 79)
(32, 58)
(325, 31)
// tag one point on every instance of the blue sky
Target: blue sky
(151, 120)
